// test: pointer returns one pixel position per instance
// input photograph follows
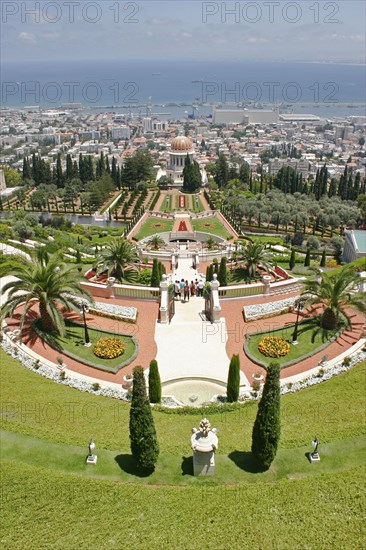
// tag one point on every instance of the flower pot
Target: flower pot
(127, 381)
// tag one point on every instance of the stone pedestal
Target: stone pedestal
(314, 457)
(215, 301)
(164, 289)
(91, 459)
(266, 279)
(204, 443)
(203, 463)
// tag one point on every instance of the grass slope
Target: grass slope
(35, 406)
(43, 509)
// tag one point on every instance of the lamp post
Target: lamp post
(299, 305)
(84, 308)
(314, 456)
(91, 458)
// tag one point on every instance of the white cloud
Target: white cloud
(27, 37)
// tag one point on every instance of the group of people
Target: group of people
(184, 290)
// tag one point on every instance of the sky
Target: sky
(183, 29)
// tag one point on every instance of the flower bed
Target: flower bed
(274, 346)
(269, 309)
(109, 348)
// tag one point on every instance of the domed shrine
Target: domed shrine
(181, 146)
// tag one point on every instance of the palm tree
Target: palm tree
(335, 293)
(156, 242)
(50, 284)
(121, 258)
(254, 254)
(210, 243)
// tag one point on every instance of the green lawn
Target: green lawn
(167, 204)
(154, 225)
(305, 345)
(211, 225)
(61, 414)
(51, 499)
(73, 344)
(52, 509)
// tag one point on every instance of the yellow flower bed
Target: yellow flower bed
(274, 346)
(109, 348)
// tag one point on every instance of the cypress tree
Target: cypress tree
(307, 258)
(323, 260)
(154, 383)
(144, 444)
(222, 274)
(267, 425)
(69, 167)
(209, 273)
(59, 174)
(233, 380)
(155, 275)
(292, 259)
(215, 266)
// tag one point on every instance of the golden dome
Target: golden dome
(182, 143)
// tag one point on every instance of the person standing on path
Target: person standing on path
(186, 291)
(200, 287)
(193, 289)
(181, 287)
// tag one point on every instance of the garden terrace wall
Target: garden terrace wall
(122, 291)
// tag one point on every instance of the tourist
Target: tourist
(193, 289)
(186, 291)
(181, 289)
(176, 289)
(200, 288)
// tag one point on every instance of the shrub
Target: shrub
(233, 380)
(292, 259)
(346, 361)
(331, 263)
(155, 275)
(154, 383)
(256, 385)
(109, 348)
(323, 260)
(209, 273)
(307, 258)
(267, 425)
(144, 444)
(274, 346)
(96, 386)
(222, 275)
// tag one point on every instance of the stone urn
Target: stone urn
(127, 381)
(204, 443)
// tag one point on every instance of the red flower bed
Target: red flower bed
(182, 201)
(182, 226)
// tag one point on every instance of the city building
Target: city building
(120, 132)
(354, 245)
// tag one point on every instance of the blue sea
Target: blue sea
(320, 88)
